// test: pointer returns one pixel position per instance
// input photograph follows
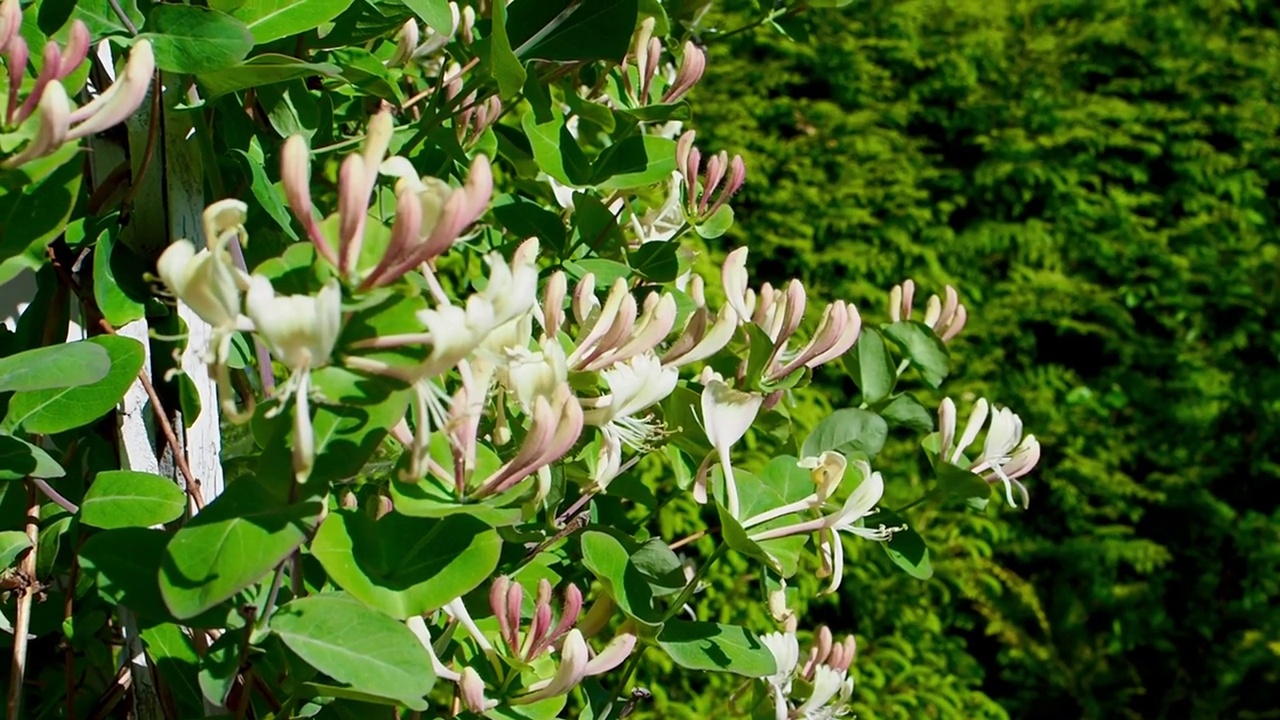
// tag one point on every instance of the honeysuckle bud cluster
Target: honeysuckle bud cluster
(430, 215)
(474, 115)
(946, 317)
(646, 54)
(824, 674)
(1006, 454)
(517, 667)
(421, 43)
(703, 192)
(46, 98)
(779, 314)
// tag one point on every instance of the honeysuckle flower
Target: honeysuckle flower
(860, 504)
(471, 690)
(734, 277)
(1006, 454)
(300, 331)
(692, 65)
(827, 470)
(48, 99)
(661, 223)
(418, 626)
(825, 670)
(945, 317)
(727, 414)
(530, 374)
(634, 386)
(835, 336)
(121, 99)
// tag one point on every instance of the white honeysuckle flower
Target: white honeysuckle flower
(634, 385)
(727, 414)
(207, 281)
(533, 374)
(832, 689)
(661, 223)
(1006, 454)
(734, 277)
(827, 470)
(785, 648)
(300, 330)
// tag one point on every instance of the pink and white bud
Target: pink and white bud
(10, 22)
(733, 275)
(901, 298)
(471, 690)
(650, 69)
(52, 61)
(640, 50)
(18, 53)
(76, 50)
(613, 655)
(692, 66)
(54, 110)
(553, 294)
(353, 209)
(120, 100)
(406, 43)
(295, 176)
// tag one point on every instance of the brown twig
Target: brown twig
(22, 619)
(688, 539)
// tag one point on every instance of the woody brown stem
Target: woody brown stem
(22, 619)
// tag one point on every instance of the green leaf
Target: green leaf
(367, 73)
(173, 653)
(523, 218)
(234, 542)
(716, 225)
(220, 665)
(55, 410)
(55, 367)
(906, 548)
(569, 30)
(274, 19)
(847, 431)
(193, 39)
(637, 161)
(124, 498)
(906, 410)
(610, 560)
(265, 194)
(555, 151)
(358, 646)
(119, 302)
(923, 348)
(12, 543)
(503, 64)
(435, 13)
(261, 70)
(123, 564)
(36, 214)
(20, 459)
(597, 228)
(871, 366)
(961, 483)
(713, 647)
(406, 566)
(102, 20)
(656, 261)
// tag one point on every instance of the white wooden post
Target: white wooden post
(168, 203)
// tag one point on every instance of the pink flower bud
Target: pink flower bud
(76, 51)
(53, 112)
(121, 99)
(650, 68)
(471, 689)
(692, 66)
(52, 61)
(10, 21)
(716, 168)
(553, 303)
(295, 176)
(17, 61)
(353, 206)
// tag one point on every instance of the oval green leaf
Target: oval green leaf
(357, 645)
(124, 498)
(59, 366)
(53, 411)
(192, 39)
(406, 566)
(713, 647)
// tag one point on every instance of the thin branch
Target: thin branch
(55, 496)
(124, 17)
(22, 619)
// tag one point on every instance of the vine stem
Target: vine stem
(22, 619)
(697, 578)
(627, 672)
(55, 496)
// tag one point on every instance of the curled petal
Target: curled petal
(76, 51)
(613, 655)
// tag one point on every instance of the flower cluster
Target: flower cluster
(824, 673)
(1006, 454)
(513, 665)
(46, 98)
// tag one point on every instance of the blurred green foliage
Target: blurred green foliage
(1099, 178)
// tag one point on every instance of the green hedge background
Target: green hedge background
(1100, 179)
